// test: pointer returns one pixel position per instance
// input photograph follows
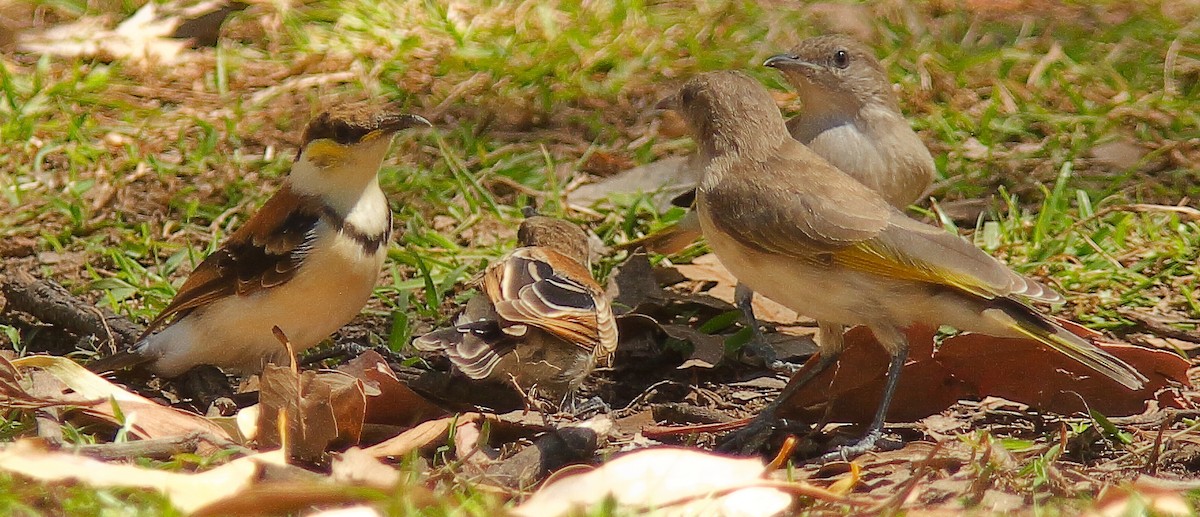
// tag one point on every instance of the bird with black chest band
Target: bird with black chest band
(306, 262)
(850, 117)
(803, 233)
(541, 324)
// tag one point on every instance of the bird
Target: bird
(306, 262)
(798, 230)
(541, 323)
(851, 117)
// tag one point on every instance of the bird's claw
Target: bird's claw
(587, 408)
(784, 367)
(872, 441)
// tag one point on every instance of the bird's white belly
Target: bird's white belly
(235, 333)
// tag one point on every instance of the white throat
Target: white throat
(350, 188)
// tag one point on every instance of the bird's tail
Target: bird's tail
(671, 239)
(118, 361)
(471, 347)
(1028, 322)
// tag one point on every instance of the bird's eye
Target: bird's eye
(342, 134)
(687, 96)
(841, 59)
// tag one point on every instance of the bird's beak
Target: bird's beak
(666, 103)
(397, 122)
(783, 61)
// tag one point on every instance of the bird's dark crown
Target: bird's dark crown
(351, 123)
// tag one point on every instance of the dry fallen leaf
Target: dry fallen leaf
(1005, 368)
(853, 386)
(708, 268)
(187, 491)
(665, 179)
(973, 366)
(323, 409)
(424, 434)
(1146, 495)
(670, 480)
(356, 467)
(143, 39)
(393, 402)
(61, 381)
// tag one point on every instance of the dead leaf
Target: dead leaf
(1146, 494)
(63, 382)
(602, 163)
(854, 386)
(853, 19)
(570, 444)
(186, 491)
(356, 467)
(973, 366)
(633, 283)
(323, 410)
(293, 497)
(707, 349)
(672, 481)
(664, 179)
(349, 511)
(201, 23)
(708, 268)
(143, 39)
(1063, 386)
(393, 403)
(423, 435)
(1122, 154)
(471, 448)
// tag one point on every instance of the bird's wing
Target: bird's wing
(265, 252)
(796, 204)
(792, 203)
(916, 251)
(540, 287)
(475, 344)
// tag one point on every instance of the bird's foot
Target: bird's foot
(202, 385)
(758, 351)
(760, 430)
(873, 440)
(784, 367)
(582, 410)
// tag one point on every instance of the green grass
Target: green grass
(126, 178)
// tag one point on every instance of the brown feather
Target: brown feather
(265, 252)
(520, 286)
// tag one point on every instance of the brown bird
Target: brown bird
(542, 322)
(851, 118)
(805, 234)
(306, 262)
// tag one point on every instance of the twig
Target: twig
(680, 413)
(922, 469)
(1171, 417)
(1160, 327)
(1172, 414)
(655, 432)
(157, 448)
(53, 304)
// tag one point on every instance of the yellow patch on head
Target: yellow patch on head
(374, 135)
(324, 152)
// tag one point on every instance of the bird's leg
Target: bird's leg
(759, 430)
(202, 385)
(582, 409)
(758, 346)
(899, 351)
